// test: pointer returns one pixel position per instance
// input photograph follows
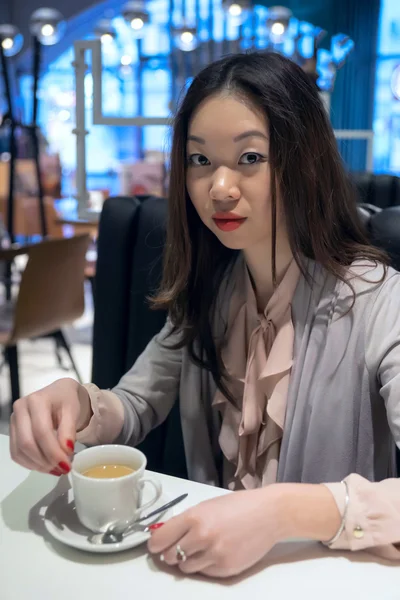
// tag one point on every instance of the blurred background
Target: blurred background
(145, 69)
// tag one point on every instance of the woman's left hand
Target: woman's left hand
(223, 536)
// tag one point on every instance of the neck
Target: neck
(259, 262)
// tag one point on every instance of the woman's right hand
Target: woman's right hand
(43, 426)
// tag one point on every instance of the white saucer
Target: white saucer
(62, 522)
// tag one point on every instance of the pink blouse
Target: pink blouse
(258, 357)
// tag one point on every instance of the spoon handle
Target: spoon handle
(162, 508)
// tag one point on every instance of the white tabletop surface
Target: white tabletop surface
(34, 567)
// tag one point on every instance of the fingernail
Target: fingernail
(55, 472)
(70, 444)
(155, 526)
(64, 466)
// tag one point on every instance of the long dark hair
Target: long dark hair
(318, 199)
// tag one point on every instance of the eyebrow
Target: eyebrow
(238, 138)
(251, 133)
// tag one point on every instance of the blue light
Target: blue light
(341, 46)
(288, 47)
(326, 70)
(306, 28)
(305, 46)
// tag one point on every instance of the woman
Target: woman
(283, 338)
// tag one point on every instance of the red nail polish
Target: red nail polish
(155, 526)
(70, 444)
(64, 466)
(55, 472)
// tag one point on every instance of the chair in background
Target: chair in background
(27, 225)
(380, 190)
(383, 228)
(25, 176)
(379, 208)
(130, 245)
(50, 296)
(27, 218)
(26, 203)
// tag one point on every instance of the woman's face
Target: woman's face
(228, 176)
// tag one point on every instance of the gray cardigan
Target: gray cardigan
(343, 406)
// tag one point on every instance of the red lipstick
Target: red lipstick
(228, 221)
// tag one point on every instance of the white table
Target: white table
(34, 567)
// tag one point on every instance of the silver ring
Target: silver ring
(180, 554)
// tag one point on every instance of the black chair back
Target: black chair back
(384, 230)
(129, 266)
(382, 191)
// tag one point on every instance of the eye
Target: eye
(251, 158)
(198, 160)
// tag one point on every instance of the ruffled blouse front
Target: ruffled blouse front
(258, 356)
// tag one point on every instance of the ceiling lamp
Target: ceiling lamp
(186, 38)
(47, 25)
(135, 14)
(126, 60)
(278, 23)
(105, 31)
(11, 40)
(237, 9)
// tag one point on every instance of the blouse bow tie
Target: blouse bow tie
(258, 357)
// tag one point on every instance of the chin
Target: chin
(230, 240)
(232, 244)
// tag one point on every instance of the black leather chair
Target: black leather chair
(384, 231)
(382, 191)
(129, 264)
(379, 207)
(130, 244)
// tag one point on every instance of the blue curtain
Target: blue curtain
(353, 97)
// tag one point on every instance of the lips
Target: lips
(228, 221)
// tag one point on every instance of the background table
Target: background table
(67, 209)
(34, 567)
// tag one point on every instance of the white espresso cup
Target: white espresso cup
(101, 503)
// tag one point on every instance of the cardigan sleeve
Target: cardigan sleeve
(373, 518)
(141, 400)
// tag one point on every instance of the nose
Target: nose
(224, 186)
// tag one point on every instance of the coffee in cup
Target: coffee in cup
(108, 482)
(108, 471)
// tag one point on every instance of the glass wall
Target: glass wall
(387, 91)
(145, 77)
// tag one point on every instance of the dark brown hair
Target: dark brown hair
(317, 197)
